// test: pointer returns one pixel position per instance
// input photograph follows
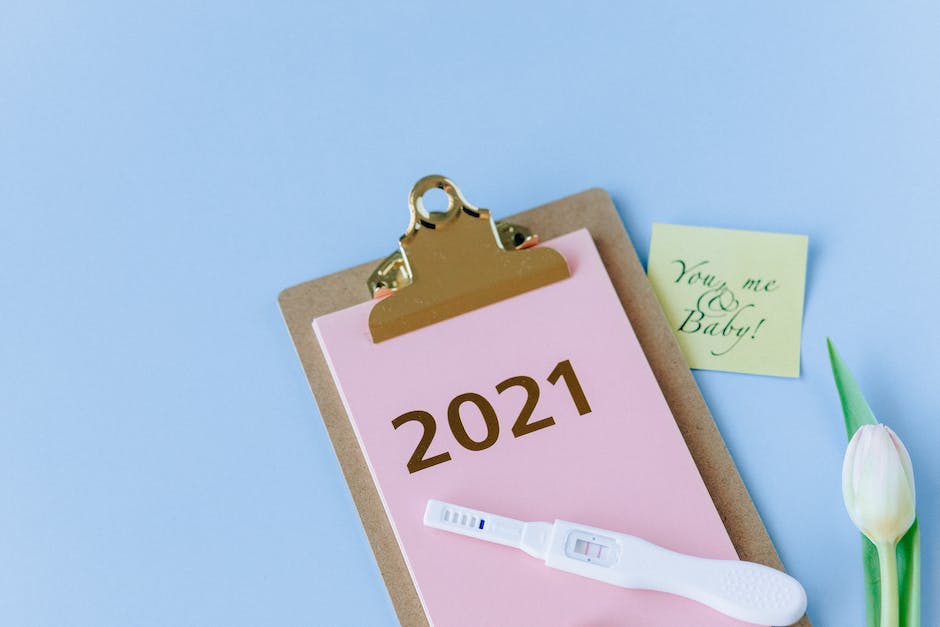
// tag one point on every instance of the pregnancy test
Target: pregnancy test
(743, 590)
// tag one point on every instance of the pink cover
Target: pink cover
(624, 466)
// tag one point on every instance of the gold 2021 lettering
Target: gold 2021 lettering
(523, 424)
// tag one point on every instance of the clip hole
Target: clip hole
(433, 201)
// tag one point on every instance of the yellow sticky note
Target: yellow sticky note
(734, 299)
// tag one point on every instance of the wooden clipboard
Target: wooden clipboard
(591, 209)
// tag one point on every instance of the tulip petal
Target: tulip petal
(904, 456)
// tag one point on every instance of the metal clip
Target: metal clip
(452, 262)
(391, 275)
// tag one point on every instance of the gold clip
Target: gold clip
(392, 274)
(452, 262)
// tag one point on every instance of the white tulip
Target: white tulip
(878, 488)
(878, 484)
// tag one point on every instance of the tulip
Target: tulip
(878, 488)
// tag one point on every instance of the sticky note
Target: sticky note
(733, 298)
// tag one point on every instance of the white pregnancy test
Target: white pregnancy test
(743, 590)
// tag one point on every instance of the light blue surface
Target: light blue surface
(166, 170)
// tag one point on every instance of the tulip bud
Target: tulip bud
(878, 484)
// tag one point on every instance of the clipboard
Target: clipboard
(592, 210)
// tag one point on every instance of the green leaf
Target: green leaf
(854, 406)
(856, 411)
(872, 582)
(909, 577)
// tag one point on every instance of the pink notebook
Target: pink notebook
(538, 407)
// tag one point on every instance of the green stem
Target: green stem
(888, 566)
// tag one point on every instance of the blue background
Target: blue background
(166, 169)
